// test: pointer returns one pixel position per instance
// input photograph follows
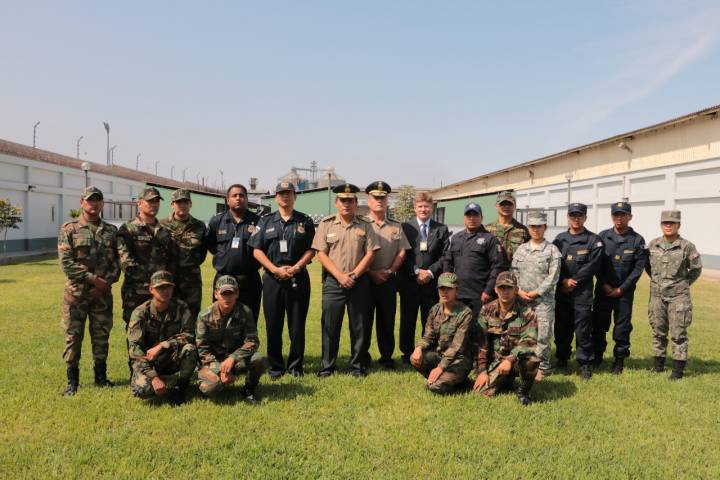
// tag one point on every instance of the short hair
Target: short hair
(236, 185)
(422, 197)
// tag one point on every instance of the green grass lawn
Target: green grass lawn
(387, 425)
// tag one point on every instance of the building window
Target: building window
(220, 207)
(440, 214)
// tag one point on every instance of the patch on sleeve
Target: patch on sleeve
(694, 256)
(599, 244)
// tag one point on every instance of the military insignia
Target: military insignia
(694, 256)
(569, 257)
(582, 252)
(361, 233)
(480, 241)
(222, 232)
(628, 251)
(347, 188)
(619, 204)
(380, 186)
(599, 244)
(617, 257)
(284, 185)
(301, 229)
(271, 229)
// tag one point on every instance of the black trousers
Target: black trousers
(281, 298)
(475, 304)
(574, 318)
(621, 309)
(250, 290)
(334, 301)
(413, 298)
(383, 307)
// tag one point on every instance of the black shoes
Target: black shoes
(101, 379)
(251, 395)
(359, 373)
(523, 391)
(73, 380)
(678, 369)
(275, 375)
(585, 372)
(296, 373)
(387, 364)
(659, 364)
(618, 366)
(325, 373)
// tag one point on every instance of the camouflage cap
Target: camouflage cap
(378, 189)
(89, 192)
(226, 283)
(161, 277)
(505, 196)
(447, 279)
(180, 194)
(506, 279)
(150, 193)
(346, 190)
(284, 187)
(670, 216)
(537, 218)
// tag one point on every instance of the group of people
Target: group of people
(490, 298)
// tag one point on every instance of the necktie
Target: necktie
(423, 232)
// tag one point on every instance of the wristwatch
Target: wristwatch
(352, 275)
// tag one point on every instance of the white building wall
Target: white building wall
(693, 188)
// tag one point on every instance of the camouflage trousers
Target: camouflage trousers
(545, 313)
(672, 314)
(188, 288)
(209, 375)
(452, 379)
(171, 366)
(525, 367)
(75, 311)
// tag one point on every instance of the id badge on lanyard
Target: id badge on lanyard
(423, 246)
(283, 246)
(235, 242)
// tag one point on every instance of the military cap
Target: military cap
(161, 277)
(225, 283)
(284, 187)
(506, 279)
(577, 208)
(448, 279)
(346, 190)
(89, 192)
(472, 207)
(378, 189)
(150, 193)
(621, 207)
(670, 216)
(537, 218)
(505, 196)
(180, 194)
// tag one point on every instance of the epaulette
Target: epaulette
(328, 218)
(66, 224)
(365, 219)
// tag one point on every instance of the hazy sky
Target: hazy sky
(414, 92)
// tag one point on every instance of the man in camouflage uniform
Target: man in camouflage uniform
(444, 355)
(227, 342)
(509, 232)
(144, 247)
(88, 257)
(536, 265)
(506, 342)
(161, 338)
(188, 234)
(673, 266)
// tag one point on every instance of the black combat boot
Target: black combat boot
(562, 364)
(101, 379)
(178, 395)
(523, 391)
(251, 395)
(73, 380)
(659, 364)
(678, 369)
(585, 372)
(618, 366)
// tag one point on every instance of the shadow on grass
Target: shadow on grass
(695, 366)
(7, 280)
(553, 389)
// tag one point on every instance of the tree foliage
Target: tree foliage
(403, 209)
(10, 217)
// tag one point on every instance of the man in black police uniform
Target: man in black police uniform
(417, 279)
(228, 238)
(623, 261)
(282, 244)
(476, 257)
(581, 252)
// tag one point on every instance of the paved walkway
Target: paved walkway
(25, 256)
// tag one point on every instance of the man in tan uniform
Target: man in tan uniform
(345, 244)
(383, 271)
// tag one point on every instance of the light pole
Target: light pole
(569, 178)
(184, 170)
(137, 162)
(78, 147)
(172, 172)
(197, 178)
(156, 164)
(35, 133)
(112, 155)
(222, 180)
(85, 168)
(107, 129)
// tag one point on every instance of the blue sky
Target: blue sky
(405, 91)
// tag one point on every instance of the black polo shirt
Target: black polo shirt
(624, 258)
(581, 260)
(476, 258)
(228, 241)
(298, 231)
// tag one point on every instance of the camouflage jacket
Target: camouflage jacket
(87, 251)
(508, 338)
(449, 335)
(510, 237)
(173, 328)
(672, 267)
(189, 239)
(538, 269)
(219, 337)
(144, 249)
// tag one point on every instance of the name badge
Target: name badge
(235, 242)
(423, 246)
(283, 246)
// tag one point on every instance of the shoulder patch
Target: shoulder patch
(599, 244)
(328, 218)
(694, 256)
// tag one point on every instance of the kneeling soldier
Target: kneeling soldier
(228, 343)
(444, 355)
(506, 342)
(161, 339)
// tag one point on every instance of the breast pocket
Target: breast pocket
(581, 256)
(82, 244)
